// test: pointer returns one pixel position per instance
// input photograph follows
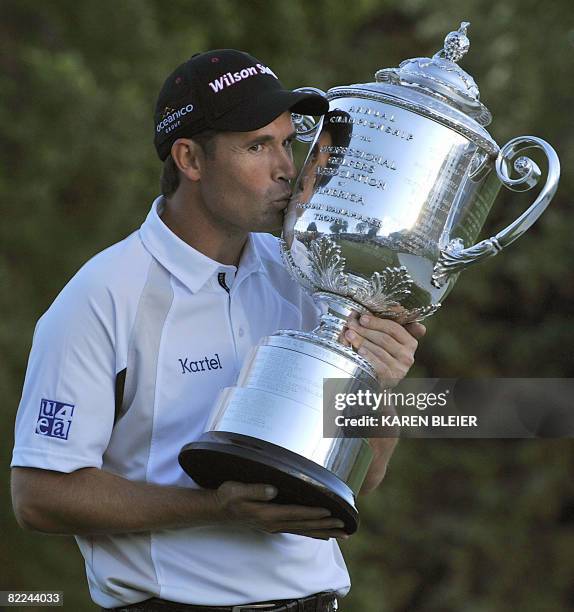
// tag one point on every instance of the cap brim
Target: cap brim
(255, 114)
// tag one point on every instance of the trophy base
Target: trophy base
(219, 456)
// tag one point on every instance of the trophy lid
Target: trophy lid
(436, 87)
(441, 76)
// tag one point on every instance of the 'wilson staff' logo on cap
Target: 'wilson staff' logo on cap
(228, 79)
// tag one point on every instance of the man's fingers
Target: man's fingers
(379, 359)
(384, 341)
(416, 330)
(328, 524)
(280, 513)
(386, 326)
(248, 503)
(394, 359)
(322, 534)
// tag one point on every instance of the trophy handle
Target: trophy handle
(306, 125)
(455, 257)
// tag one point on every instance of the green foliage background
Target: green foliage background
(473, 526)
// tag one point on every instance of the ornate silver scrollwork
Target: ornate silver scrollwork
(385, 290)
(414, 314)
(382, 294)
(327, 266)
(528, 171)
(454, 258)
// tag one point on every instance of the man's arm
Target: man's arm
(390, 348)
(92, 501)
(383, 449)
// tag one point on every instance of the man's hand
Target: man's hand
(248, 504)
(388, 346)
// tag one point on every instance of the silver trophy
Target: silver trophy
(400, 177)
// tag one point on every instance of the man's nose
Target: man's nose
(286, 169)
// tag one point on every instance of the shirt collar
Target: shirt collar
(187, 264)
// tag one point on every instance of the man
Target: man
(128, 360)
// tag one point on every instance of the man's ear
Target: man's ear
(188, 157)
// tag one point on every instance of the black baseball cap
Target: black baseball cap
(224, 90)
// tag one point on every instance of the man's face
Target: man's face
(245, 181)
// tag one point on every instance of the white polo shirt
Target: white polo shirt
(182, 325)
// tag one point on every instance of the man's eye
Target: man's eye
(256, 147)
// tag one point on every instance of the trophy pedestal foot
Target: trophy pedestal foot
(220, 456)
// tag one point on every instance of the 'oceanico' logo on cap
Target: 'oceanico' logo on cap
(167, 121)
(228, 79)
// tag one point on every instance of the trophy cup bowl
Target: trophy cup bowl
(399, 179)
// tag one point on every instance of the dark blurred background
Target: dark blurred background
(458, 525)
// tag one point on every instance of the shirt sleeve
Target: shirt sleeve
(66, 413)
